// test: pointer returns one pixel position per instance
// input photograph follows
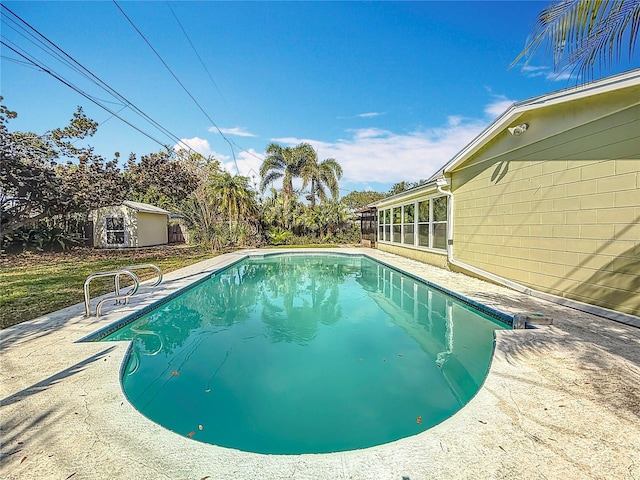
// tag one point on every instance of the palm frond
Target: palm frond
(583, 34)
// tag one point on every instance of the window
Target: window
(397, 224)
(423, 223)
(408, 224)
(114, 227)
(439, 223)
(387, 225)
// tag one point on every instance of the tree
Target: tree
(234, 197)
(34, 185)
(359, 199)
(403, 186)
(280, 163)
(320, 175)
(163, 179)
(580, 33)
(198, 210)
(277, 212)
(286, 163)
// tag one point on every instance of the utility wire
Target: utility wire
(81, 92)
(196, 52)
(240, 148)
(179, 82)
(68, 60)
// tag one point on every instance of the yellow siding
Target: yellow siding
(439, 260)
(561, 212)
(152, 229)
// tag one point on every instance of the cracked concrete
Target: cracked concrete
(559, 402)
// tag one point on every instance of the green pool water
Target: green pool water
(292, 354)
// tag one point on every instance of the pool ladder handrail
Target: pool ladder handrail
(111, 273)
(138, 267)
(128, 270)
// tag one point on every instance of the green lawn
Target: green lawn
(33, 284)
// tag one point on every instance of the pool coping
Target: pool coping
(63, 412)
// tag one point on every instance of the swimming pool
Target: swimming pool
(291, 354)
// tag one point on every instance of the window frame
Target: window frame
(108, 230)
(417, 224)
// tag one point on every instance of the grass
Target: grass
(34, 284)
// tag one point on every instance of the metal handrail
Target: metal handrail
(111, 273)
(137, 267)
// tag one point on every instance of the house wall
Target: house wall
(131, 228)
(437, 259)
(558, 208)
(152, 229)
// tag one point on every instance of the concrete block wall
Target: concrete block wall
(561, 215)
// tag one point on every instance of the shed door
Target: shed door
(115, 231)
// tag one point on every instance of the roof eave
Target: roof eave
(517, 109)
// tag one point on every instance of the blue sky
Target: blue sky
(391, 90)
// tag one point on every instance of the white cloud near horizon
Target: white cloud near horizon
(376, 155)
(197, 144)
(369, 114)
(248, 162)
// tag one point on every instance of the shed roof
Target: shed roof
(145, 207)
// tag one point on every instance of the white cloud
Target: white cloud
(197, 144)
(533, 71)
(369, 114)
(498, 106)
(201, 146)
(546, 72)
(237, 131)
(559, 77)
(376, 155)
(248, 162)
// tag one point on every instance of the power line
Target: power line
(81, 92)
(196, 52)
(179, 82)
(72, 63)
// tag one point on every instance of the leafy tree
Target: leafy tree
(319, 175)
(581, 33)
(404, 186)
(332, 217)
(34, 185)
(359, 199)
(163, 179)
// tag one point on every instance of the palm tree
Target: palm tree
(282, 163)
(319, 175)
(234, 196)
(579, 32)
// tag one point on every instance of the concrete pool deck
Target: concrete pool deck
(559, 402)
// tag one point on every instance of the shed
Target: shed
(130, 224)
